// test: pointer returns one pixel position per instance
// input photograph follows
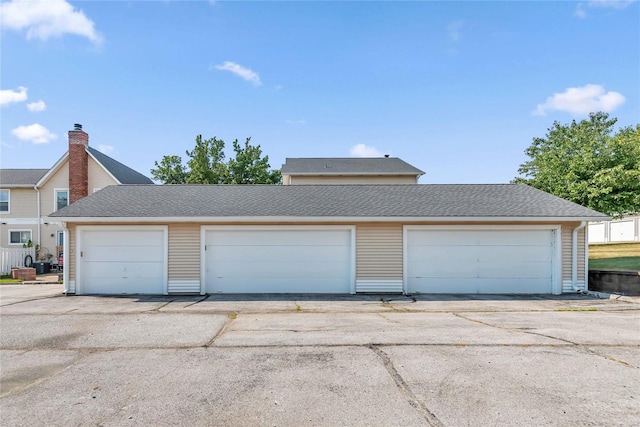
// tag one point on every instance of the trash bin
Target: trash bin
(42, 267)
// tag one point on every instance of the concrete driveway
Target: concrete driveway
(317, 360)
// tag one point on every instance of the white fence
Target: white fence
(12, 258)
(617, 231)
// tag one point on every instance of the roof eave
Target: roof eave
(309, 219)
(354, 173)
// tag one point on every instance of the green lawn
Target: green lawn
(620, 256)
(6, 278)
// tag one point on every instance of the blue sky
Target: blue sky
(458, 89)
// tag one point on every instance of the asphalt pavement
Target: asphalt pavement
(320, 360)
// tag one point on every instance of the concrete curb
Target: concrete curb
(604, 295)
(37, 282)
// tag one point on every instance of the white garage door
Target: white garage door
(479, 261)
(268, 260)
(122, 261)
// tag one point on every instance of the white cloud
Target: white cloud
(35, 133)
(581, 100)
(240, 71)
(47, 18)
(361, 150)
(454, 30)
(612, 4)
(105, 149)
(602, 4)
(37, 106)
(7, 96)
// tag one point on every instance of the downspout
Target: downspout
(38, 214)
(65, 254)
(574, 256)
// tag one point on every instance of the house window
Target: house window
(4, 201)
(60, 238)
(61, 199)
(19, 237)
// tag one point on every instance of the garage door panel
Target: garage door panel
(476, 238)
(118, 253)
(527, 270)
(291, 254)
(540, 254)
(479, 261)
(125, 238)
(283, 285)
(480, 286)
(279, 269)
(277, 238)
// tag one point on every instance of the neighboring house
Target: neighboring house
(473, 239)
(622, 230)
(349, 170)
(27, 196)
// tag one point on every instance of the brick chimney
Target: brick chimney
(78, 164)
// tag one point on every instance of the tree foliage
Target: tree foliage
(587, 163)
(206, 165)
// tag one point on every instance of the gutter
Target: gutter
(574, 256)
(65, 254)
(38, 213)
(314, 219)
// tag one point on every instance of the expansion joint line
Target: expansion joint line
(516, 330)
(404, 388)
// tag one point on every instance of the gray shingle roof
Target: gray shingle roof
(419, 200)
(122, 173)
(349, 166)
(20, 177)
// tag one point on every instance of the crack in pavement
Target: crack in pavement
(222, 330)
(405, 389)
(82, 354)
(199, 301)
(32, 299)
(515, 329)
(583, 346)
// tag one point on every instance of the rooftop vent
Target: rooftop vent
(77, 126)
(386, 155)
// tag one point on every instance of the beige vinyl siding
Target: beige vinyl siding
(379, 251)
(58, 180)
(98, 177)
(345, 179)
(22, 203)
(567, 245)
(184, 258)
(70, 258)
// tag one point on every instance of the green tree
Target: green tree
(170, 170)
(206, 162)
(587, 163)
(206, 165)
(249, 167)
